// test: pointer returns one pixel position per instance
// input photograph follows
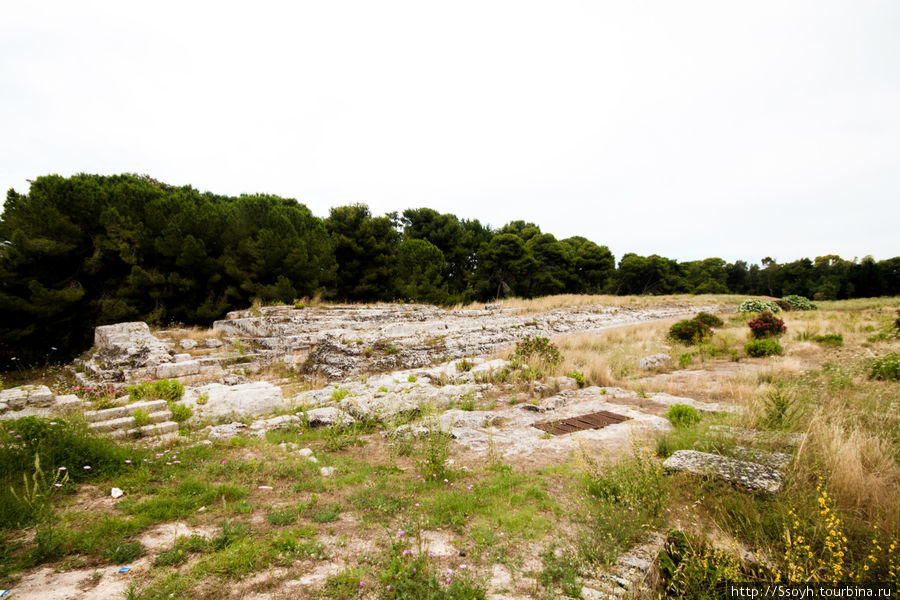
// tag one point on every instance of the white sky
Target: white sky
(687, 129)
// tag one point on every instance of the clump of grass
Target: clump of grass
(560, 570)
(829, 339)
(691, 568)
(339, 393)
(141, 417)
(463, 365)
(281, 517)
(434, 452)
(125, 552)
(180, 412)
(682, 415)
(578, 376)
(407, 574)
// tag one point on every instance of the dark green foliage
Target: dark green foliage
(682, 415)
(886, 367)
(763, 347)
(540, 348)
(327, 514)
(709, 319)
(690, 331)
(90, 250)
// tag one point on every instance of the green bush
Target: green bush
(799, 302)
(682, 415)
(578, 376)
(763, 347)
(164, 389)
(463, 365)
(690, 331)
(141, 417)
(541, 347)
(180, 412)
(756, 305)
(709, 319)
(886, 367)
(830, 339)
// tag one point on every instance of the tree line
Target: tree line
(88, 250)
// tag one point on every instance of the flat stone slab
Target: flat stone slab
(750, 475)
(26, 395)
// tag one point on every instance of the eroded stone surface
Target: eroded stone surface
(749, 475)
(655, 361)
(244, 400)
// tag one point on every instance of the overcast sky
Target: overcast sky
(687, 129)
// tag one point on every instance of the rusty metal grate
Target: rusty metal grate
(596, 420)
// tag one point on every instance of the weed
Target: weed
(141, 417)
(682, 415)
(692, 569)
(339, 393)
(412, 379)
(434, 451)
(327, 514)
(467, 402)
(180, 412)
(463, 365)
(539, 347)
(578, 376)
(560, 570)
(886, 367)
(281, 517)
(763, 348)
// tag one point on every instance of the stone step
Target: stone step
(151, 406)
(749, 475)
(128, 422)
(157, 429)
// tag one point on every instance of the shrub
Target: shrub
(164, 389)
(886, 367)
(830, 339)
(463, 365)
(799, 302)
(682, 415)
(540, 347)
(757, 305)
(141, 417)
(180, 412)
(578, 376)
(709, 319)
(764, 347)
(690, 331)
(766, 325)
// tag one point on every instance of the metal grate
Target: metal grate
(596, 420)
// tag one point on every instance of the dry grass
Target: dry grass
(545, 303)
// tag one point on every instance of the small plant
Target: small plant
(141, 417)
(691, 568)
(164, 389)
(412, 379)
(690, 331)
(685, 359)
(281, 517)
(830, 339)
(886, 367)
(780, 408)
(682, 415)
(467, 402)
(799, 302)
(464, 365)
(202, 399)
(180, 412)
(561, 571)
(763, 348)
(539, 347)
(578, 376)
(709, 319)
(339, 393)
(754, 305)
(766, 325)
(327, 514)
(434, 454)
(383, 389)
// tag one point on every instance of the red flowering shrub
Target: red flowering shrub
(690, 331)
(766, 325)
